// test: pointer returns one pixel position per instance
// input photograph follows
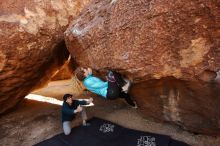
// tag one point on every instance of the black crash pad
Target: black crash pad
(106, 133)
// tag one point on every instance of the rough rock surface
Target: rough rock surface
(31, 44)
(193, 106)
(65, 72)
(152, 39)
(148, 39)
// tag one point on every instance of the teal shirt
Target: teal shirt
(96, 85)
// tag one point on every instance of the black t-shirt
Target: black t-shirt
(68, 111)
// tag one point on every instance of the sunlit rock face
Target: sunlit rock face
(148, 39)
(153, 39)
(31, 44)
(65, 72)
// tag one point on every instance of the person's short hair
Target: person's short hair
(66, 96)
(79, 72)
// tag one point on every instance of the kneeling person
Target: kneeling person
(70, 108)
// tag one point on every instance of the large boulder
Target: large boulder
(154, 39)
(148, 39)
(32, 46)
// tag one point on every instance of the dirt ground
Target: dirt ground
(33, 121)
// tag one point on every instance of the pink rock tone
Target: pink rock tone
(150, 40)
(32, 46)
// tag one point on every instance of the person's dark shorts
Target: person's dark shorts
(115, 83)
(113, 90)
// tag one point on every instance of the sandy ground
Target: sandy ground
(33, 121)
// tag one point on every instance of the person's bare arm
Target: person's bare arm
(86, 72)
(89, 71)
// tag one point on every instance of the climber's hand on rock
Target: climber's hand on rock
(89, 71)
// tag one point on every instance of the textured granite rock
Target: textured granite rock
(147, 39)
(152, 39)
(32, 46)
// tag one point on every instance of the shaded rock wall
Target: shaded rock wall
(194, 106)
(31, 44)
(148, 39)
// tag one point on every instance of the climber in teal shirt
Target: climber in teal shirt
(114, 87)
(96, 85)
